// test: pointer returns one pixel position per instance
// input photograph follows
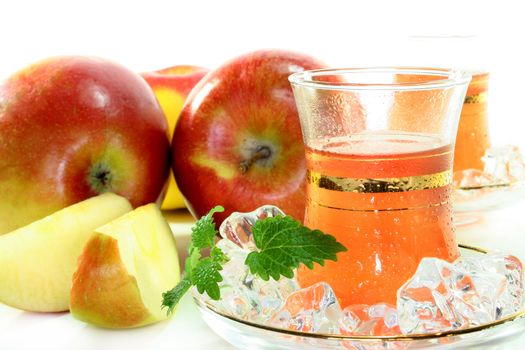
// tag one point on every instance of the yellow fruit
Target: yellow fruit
(171, 87)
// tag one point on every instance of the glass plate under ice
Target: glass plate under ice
(247, 335)
(493, 196)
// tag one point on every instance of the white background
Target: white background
(148, 35)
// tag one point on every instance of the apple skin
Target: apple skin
(244, 106)
(73, 127)
(98, 299)
(171, 87)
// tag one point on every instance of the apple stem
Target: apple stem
(262, 152)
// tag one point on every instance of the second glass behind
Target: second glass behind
(379, 152)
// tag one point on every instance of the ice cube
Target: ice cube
(505, 265)
(238, 226)
(351, 318)
(441, 296)
(270, 295)
(378, 319)
(245, 295)
(472, 178)
(267, 211)
(505, 163)
(311, 309)
(231, 249)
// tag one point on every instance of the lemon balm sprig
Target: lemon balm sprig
(282, 243)
(202, 272)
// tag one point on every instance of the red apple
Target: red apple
(238, 139)
(74, 127)
(171, 87)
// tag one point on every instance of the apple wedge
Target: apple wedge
(123, 270)
(37, 261)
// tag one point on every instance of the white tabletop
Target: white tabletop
(502, 229)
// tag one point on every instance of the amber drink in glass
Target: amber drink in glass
(379, 152)
(473, 135)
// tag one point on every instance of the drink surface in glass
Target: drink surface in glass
(385, 196)
(379, 153)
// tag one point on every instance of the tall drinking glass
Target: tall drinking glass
(379, 152)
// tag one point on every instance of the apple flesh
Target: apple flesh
(124, 269)
(37, 262)
(171, 87)
(238, 140)
(72, 128)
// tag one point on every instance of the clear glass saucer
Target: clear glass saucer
(247, 335)
(493, 196)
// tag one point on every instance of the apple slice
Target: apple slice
(124, 269)
(37, 261)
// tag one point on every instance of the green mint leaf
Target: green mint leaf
(198, 271)
(206, 277)
(204, 231)
(284, 244)
(217, 255)
(171, 298)
(194, 255)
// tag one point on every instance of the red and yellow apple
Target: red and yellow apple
(171, 87)
(238, 140)
(124, 269)
(74, 127)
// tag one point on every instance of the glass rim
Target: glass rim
(450, 78)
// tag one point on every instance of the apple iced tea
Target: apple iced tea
(386, 197)
(473, 137)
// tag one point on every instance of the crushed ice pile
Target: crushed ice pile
(470, 292)
(244, 295)
(440, 296)
(502, 165)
